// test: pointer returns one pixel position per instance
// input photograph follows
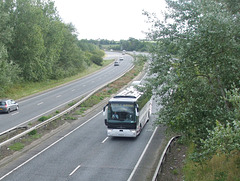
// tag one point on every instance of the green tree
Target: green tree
(224, 138)
(92, 52)
(53, 36)
(193, 79)
(96, 59)
(133, 44)
(72, 58)
(9, 71)
(28, 45)
(33, 39)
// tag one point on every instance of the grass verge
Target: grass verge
(219, 168)
(24, 89)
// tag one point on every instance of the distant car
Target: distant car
(116, 63)
(8, 105)
(121, 58)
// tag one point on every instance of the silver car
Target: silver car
(8, 105)
(116, 63)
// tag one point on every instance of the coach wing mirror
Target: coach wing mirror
(136, 106)
(136, 111)
(106, 123)
(104, 110)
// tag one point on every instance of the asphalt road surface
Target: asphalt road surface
(85, 153)
(33, 108)
(82, 151)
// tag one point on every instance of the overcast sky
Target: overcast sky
(108, 19)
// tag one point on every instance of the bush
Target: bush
(97, 60)
(44, 118)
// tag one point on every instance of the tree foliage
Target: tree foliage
(133, 44)
(36, 45)
(224, 138)
(196, 60)
(9, 71)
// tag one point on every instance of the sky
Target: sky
(109, 19)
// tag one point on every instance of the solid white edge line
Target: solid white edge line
(74, 170)
(141, 157)
(24, 163)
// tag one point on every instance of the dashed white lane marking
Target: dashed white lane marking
(105, 140)
(75, 170)
(48, 147)
(40, 103)
(15, 113)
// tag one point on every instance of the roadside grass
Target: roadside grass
(33, 135)
(72, 103)
(24, 89)
(44, 118)
(219, 168)
(80, 111)
(16, 146)
(70, 118)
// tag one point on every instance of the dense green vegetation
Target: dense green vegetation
(131, 44)
(196, 61)
(35, 45)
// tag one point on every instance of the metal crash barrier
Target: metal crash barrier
(163, 157)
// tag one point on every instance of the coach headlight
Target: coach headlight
(109, 130)
(134, 132)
